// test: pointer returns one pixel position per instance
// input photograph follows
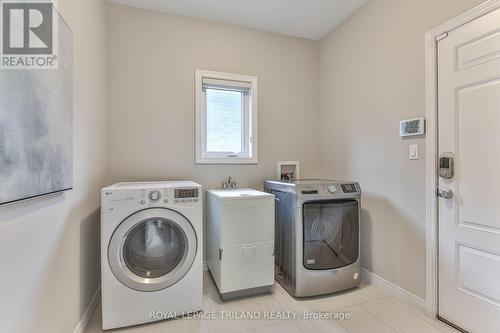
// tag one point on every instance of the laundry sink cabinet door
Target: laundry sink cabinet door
(247, 221)
(247, 266)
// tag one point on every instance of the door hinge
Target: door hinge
(441, 37)
(220, 254)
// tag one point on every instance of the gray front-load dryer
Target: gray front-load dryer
(317, 235)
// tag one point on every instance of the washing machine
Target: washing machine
(151, 252)
(316, 235)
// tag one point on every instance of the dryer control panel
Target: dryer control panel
(331, 189)
(350, 188)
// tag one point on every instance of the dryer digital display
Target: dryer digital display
(349, 188)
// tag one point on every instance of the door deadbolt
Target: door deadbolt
(446, 166)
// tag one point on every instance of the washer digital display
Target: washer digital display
(182, 193)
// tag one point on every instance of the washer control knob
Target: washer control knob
(332, 189)
(154, 196)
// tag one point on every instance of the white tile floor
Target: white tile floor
(371, 310)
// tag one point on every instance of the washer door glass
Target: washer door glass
(154, 248)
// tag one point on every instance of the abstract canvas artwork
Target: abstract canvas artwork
(36, 127)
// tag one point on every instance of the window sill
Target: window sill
(225, 161)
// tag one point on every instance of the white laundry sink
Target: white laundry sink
(239, 193)
(240, 241)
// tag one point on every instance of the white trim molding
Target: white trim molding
(392, 289)
(431, 83)
(89, 311)
(250, 109)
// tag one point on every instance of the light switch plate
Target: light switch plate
(413, 152)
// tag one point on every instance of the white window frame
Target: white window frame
(249, 137)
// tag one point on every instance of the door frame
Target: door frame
(431, 91)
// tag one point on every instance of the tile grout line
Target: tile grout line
(414, 315)
(441, 326)
(380, 319)
(376, 318)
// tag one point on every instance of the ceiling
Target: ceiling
(310, 19)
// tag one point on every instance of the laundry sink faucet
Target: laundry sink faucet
(229, 185)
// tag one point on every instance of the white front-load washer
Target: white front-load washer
(151, 252)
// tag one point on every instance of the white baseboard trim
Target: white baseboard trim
(205, 266)
(89, 311)
(394, 290)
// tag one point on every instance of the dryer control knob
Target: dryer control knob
(332, 189)
(154, 196)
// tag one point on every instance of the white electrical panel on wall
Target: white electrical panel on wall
(412, 127)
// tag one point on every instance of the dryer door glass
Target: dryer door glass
(154, 248)
(331, 234)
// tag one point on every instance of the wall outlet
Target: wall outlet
(413, 152)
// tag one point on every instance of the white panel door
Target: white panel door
(469, 131)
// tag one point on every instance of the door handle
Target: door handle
(445, 194)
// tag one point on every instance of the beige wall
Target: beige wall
(345, 95)
(151, 129)
(49, 248)
(371, 76)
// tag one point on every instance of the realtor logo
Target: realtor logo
(29, 35)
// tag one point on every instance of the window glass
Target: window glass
(226, 118)
(224, 121)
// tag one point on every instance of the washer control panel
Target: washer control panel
(183, 195)
(167, 196)
(154, 196)
(120, 197)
